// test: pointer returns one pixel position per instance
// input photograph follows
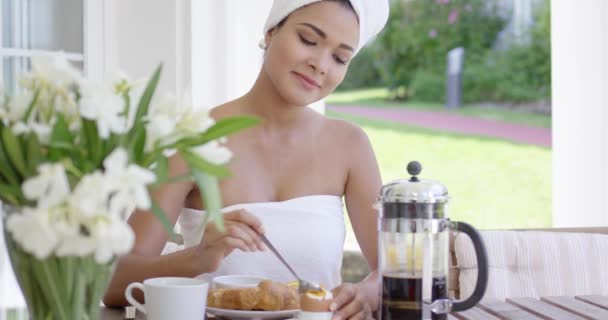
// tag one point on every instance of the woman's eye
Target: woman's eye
(338, 60)
(307, 42)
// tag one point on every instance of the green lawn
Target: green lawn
(379, 98)
(494, 184)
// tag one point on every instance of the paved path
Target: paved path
(454, 123)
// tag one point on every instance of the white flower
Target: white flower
(213, 152)
(113, 238)
(32, 230)
(136, 89)
(20, 128)
(162, 121)
(99, 102)
(90, 196)
(55, 68)
(160, 126)
(50, 187)
(18, 104)
(128, 179)
(72, 242)
(121, 205)
(42, 130)
(170, 121)
(195, 122)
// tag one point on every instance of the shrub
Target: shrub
(421, 32)
(428, 86)
(363, 71)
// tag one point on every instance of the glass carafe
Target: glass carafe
(414, 251)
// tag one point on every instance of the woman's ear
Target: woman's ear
(264, 43)
(268, 36)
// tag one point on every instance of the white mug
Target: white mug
(171, 298)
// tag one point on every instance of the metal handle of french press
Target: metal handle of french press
(443, 306)
(482, 266)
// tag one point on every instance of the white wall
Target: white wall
(225, 53)
(580, 119)
(209, 48)
(140, 34)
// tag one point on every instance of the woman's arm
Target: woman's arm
(361, 191)
(145, 260)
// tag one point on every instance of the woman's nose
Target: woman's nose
(319, 63)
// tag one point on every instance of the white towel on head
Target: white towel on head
(372, 15)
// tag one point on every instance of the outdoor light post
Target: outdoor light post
(453, 94)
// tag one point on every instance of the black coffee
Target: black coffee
(401, 298)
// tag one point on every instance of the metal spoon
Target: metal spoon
(303, 285)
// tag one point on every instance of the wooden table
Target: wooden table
(548, 308)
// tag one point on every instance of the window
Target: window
(30, 27)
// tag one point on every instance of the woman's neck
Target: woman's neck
(264, 101)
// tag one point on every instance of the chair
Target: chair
(534, 263)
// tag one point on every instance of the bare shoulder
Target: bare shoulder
(347, 134)
(228, 109)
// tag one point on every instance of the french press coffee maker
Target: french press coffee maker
(414, 250)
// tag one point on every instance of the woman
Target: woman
(289, 174)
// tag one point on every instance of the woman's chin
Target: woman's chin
(300, 99)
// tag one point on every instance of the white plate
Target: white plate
(250, 315)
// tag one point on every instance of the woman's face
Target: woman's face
(308, 56)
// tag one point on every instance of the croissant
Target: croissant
(267, 296)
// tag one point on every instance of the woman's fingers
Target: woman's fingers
(342, 295)
(355, 309)
(244, 232)
(231, 243)
(247, 218)
(348, 303)
(253, 225)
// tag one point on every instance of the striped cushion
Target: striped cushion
(535, 264)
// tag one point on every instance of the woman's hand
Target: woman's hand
(350, 303)
(242, 231)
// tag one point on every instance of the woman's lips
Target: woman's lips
(307, 82)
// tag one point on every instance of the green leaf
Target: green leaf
(209, 188)
(136, 147)
(46, 279)
(221, 128)
(162, 168)
(68, 148)
(61, 131)
(69, 264)
(30, 108)
(162, 217)
(194, 161)
(79, 294)
(61, 134)
(146, 97)
(6, 169)
(34, 151)
(110, 144)
(98, 284)
(94, 143)
(11, 194)
(181, 178)
(14, 151)
(227, 126)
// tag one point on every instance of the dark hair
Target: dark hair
(344, 3)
